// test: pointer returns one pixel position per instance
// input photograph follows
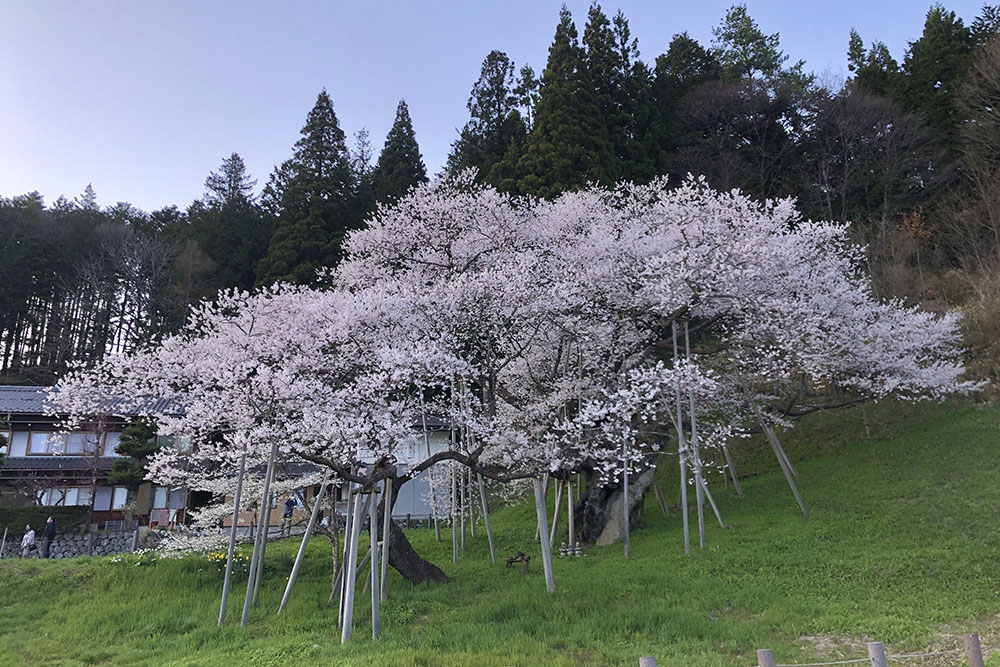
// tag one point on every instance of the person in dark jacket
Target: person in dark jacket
(48, 535)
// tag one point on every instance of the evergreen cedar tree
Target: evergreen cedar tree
(399, 166)
(540, 327)
(315, 202)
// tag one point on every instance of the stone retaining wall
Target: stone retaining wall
(68, 546)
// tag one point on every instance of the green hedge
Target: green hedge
(67, 519)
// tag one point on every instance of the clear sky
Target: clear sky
(144, 99)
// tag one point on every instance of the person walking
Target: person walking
(48, 535)
(27, 542)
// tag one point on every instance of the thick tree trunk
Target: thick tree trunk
(600, 509)
(402, 557)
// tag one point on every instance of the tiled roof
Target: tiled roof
(22, 400)
(28, 400)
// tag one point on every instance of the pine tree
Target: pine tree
(745, 52)
(316, 205)
(568, 145)
(135, 449)
(399, 166)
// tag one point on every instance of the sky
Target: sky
(143, 99)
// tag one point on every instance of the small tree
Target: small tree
(137, 446)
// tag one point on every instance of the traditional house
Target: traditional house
(45, 466)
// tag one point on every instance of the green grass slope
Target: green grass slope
(902, 546)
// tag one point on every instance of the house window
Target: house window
(102, 498)
(5, 437)
(75, 444)
(159, 497)
(83, 444)
(46, 442)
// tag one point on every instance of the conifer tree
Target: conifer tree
(495, 125)
(568, 145)
(933, 69)
(136, 447)
(316, 205)
(399, 166)
(875, 70)
(683, 68)
(229, 226)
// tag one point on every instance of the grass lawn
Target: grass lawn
(902, 546)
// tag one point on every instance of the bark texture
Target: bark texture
(601, 512)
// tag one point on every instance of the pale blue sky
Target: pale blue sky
(143, 99)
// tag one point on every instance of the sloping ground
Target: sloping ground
(903, 546)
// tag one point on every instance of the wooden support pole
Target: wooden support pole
(300, 556)
(232, 539)
(461, 503)
(486, 517)
(3, 542)
(765, 658)
(545, 494)
(973, 651)
(781, 450)
(472, 507)
(781, 460)
(386, 519)
(265, 506)
(555, 512)
(732, 470)
(550, 583)
(454, 522)
(711, 501)
(681, 448)
(570, 513)
(351, 564)
(625, 501)
(430, 472)
(259, 575)
(348, 531)
(659, 496)
(699, 482)
(876, 652)
(376, 588)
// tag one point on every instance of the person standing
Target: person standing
(27, 542)
(286, 520)
(48, 535)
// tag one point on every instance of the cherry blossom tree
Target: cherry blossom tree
(541, 331)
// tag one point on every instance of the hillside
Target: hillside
(902, 546)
